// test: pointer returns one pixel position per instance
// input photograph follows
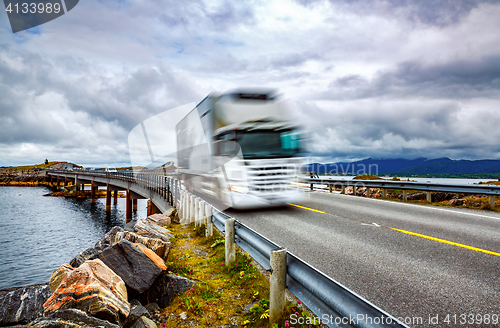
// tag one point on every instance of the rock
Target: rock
(144, 322)
(160, 219)
(93, 288)
(153, 307)
(147, 228)
(71, 318)
(57, 277)
(170, 212)
(441, 196)
(83, 256)
(183, 315)
(160, 247)
(137, 265)
(136, 312)
(22, 305)
(457, 202)
(110, 238)
(419, 196)
(165, 288)
(130, 226)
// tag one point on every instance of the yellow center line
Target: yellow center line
(446, 242)
(306, 208)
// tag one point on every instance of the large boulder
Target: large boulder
(147, 228)
(160, 219)
(160, 247)
(136, 312)
(144, 322)
(165, 288)
(71, 318)
(93, 288)
(136, 264)
(24, 304)
(83, 256)
(58, 276)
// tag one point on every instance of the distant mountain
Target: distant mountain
(401, 166)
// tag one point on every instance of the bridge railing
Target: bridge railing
(334, 304)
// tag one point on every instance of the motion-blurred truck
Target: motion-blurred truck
(241, 149)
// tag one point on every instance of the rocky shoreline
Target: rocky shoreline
(120, 282)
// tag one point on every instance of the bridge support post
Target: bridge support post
(229, 242)
(65, 181)
(492, 201)
(115, 197)
(92, 192)
(57, 182)
(277, 297)
(150, 208)
(128, 215)
(384, 192)
(134, 204)
(429, 197)
(208, 211)
(108, 198)
(405, 195)
(51, 179)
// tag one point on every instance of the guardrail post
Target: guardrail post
(492, 201)
(196, 214)
(331, 188)
(405, 195)
(429, 197)
(354, 189)
(384, 192)
(229, 241)
(277, 298)
(192, 207)
(312, 184)
(368, 192)
(208, 210)
(183, 205)
(343, 190)
(201, 216)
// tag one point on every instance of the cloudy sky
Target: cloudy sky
(392, 78)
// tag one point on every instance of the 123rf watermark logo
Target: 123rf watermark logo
(25, 14)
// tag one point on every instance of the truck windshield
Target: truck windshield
(268, 144)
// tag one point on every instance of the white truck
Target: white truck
(240, 149)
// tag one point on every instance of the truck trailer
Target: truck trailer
(240, 149)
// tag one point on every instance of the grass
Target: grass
(224, 296)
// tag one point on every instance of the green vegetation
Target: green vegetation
(235, 295)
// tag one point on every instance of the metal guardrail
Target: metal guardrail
(409, 185)
(323, 295)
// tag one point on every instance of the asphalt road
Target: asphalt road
(410, 276)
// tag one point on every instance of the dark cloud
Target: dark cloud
(436, 13)
(67, 104)
(459, 79)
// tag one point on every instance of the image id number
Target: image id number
(32, 8)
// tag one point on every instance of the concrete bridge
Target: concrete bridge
(161, 189)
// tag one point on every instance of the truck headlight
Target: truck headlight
(240, 189)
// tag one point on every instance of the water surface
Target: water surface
(38, 234)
